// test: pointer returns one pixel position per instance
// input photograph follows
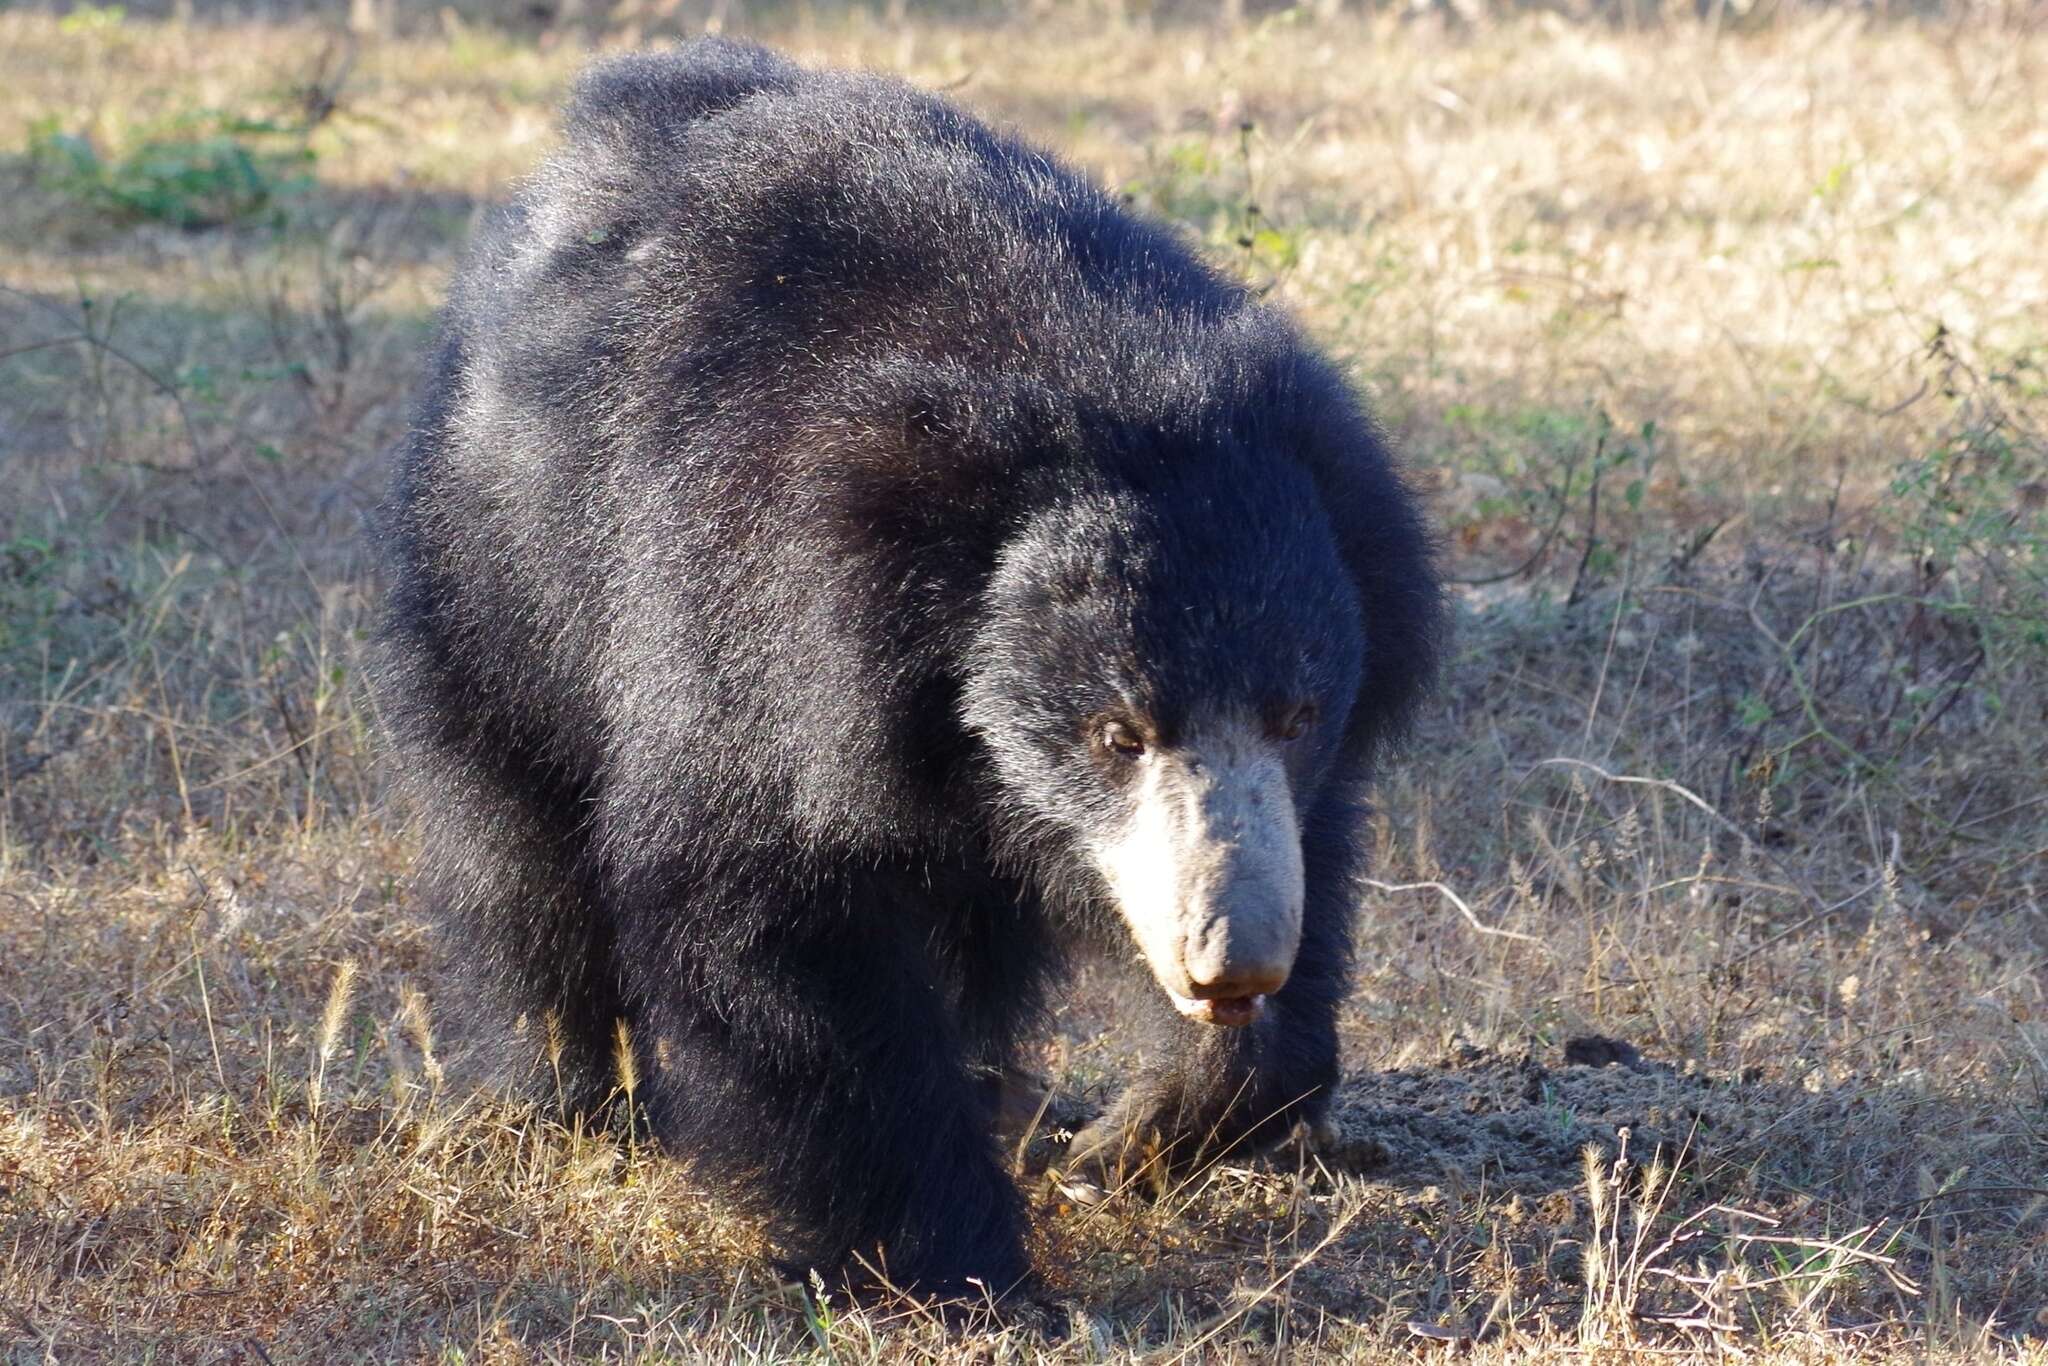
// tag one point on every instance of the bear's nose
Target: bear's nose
(1230, 958)
(1235, 984)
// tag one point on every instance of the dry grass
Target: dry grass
(1723, 355)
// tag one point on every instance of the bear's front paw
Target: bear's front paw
(1136, 1146)
(1146, 1143)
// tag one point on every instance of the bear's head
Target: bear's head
(1163, 675)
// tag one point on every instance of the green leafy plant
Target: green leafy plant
(1217, 196)
(1574, 479)
(204, 169)
(92, 19)
(1973, 511)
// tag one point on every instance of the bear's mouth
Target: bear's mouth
(1232, 1012)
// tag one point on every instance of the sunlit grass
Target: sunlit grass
(1720, 356)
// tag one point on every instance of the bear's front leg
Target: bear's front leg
(1205, 1091)
(797, 1046)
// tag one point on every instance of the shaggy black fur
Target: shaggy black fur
(802, 465)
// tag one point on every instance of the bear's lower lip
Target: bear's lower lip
(1232, 1012)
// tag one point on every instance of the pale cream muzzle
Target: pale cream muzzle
(1206, 871)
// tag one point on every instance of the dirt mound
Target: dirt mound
(1514, 1122)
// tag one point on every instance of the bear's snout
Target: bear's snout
(1207, 873)
(1231, 960)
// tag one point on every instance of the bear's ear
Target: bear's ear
(638, 103)
(1382, 537)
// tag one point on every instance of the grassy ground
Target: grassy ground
(1703, 995)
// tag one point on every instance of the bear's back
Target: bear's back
(719, 220)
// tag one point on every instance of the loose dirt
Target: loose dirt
(1518, 1122)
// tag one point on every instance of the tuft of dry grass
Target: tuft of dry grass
(1702, 998)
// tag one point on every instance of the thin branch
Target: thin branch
(45, 345)
(1455, 900)
(168, 388)
(1542, 549)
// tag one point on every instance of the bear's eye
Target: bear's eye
(1298, 721)
(1120, 739)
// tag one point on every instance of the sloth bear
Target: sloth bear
(843, 561)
